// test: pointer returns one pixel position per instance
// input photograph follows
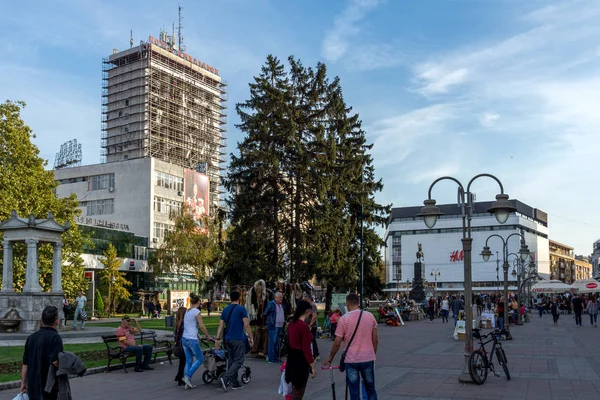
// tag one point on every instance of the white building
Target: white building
(442, 245)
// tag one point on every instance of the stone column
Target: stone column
(32, 278)
(7, 267)
(57, 268)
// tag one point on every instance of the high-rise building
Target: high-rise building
(160, 102)
(596, 259)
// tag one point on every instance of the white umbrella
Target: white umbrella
(586, 286)
(552, 286)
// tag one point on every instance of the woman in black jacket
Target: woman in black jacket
(178, 334)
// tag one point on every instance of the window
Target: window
(126, 102)
(169, 181)
(166, 206)
(160, 229)
(99, 182)
(101, 207)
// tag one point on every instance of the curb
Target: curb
(91, 371)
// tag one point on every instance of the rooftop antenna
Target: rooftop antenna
(180, 27)
(131, 38)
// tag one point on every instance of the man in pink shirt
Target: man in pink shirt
(360, 356)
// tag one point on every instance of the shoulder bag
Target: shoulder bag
(343, 357)
(246, 341)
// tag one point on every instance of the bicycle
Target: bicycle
(480, 360)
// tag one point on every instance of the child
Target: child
(335, 318)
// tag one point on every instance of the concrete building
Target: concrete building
(160, 102)
(443, 248)
(596, 259)
(583, 268)
(562, 262)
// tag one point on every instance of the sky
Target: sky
(443, 87)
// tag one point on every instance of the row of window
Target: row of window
(166, 206)
(100, 207)
(169, 181)
(100, 182)
(474, 229)
(160, 229)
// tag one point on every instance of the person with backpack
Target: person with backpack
(234, 323)
(358, 329)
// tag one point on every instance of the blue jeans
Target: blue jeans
(500, 322)
(274, 344)
(76, 316)
(145, 349)
(192, 349)
(366, 370)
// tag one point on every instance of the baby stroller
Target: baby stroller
(215, 362)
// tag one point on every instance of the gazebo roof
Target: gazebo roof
(49, 224)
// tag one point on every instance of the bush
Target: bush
(99, 304)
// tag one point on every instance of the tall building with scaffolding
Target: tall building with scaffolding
(160, 102)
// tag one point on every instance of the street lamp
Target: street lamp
(523, 254)
(501, 208)
(435, 273)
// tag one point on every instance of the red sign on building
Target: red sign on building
(456, 256)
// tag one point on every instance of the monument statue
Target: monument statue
(420, 255)
(417, 293)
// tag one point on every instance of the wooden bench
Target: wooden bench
(114, 351)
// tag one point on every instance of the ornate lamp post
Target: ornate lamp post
(523, 254)
(501, 208)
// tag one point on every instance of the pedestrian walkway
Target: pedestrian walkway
(417, 361)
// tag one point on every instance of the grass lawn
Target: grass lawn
(212, 324)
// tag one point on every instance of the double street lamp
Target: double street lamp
(523, 254)
(435, 273)
(501, 209)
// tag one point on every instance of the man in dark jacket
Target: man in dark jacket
(41, 351)
(457, 305)
(275, 319)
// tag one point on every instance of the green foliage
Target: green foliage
(27, 187)
(302, 180)
(99, 304)
(190, 248)
(112, 281)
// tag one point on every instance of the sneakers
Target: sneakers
(237, 387)
(138, 369)
(188, 382)
(224, 383)
(147, 368)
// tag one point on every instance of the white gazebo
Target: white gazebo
(29, 304)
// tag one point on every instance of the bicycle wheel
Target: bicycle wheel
(501, 356)
(478, 367)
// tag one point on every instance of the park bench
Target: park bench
(114, 351)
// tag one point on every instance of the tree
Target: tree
(190, 248)
(27, 187)
(112, 280)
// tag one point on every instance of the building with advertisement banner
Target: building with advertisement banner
(442, 246)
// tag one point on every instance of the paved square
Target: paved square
(418, 361)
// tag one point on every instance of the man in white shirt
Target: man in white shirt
(81, 303)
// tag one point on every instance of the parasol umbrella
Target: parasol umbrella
(586, 286)
(551, 286)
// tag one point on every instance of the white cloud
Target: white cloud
(488, 119)
(345, 26)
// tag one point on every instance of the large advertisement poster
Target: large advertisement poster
(196, 193)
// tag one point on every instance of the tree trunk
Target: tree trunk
(328, 296)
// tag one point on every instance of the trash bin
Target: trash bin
(169, 321)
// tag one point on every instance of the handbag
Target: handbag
(21, 396)
(83, 315)
(343, 357)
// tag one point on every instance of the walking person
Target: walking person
(191, 345)
(554, 310)
(500, 308)
(81, 302)
(457, 305)
(311, 320)
(237, 331)
(431, 304)
(41, 351)
(592, 310)
(300, 361)
(178, 335)
(445, 309)
(275, 318)
(209, 307)
(577, 305)
(358, 330)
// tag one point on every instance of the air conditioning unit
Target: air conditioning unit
(180, 193)
(111, 189)
(155, 240)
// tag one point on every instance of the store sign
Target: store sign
(185, 56)
(457, 256)
(102, 223)
(591, 285)
(89, 275)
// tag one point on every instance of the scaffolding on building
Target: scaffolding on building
(157, 104)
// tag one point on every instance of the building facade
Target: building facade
(583, 268)
(442, 246)
(596, 259)
(159, 102)
(562, 262)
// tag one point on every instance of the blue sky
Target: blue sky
(453, 87)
